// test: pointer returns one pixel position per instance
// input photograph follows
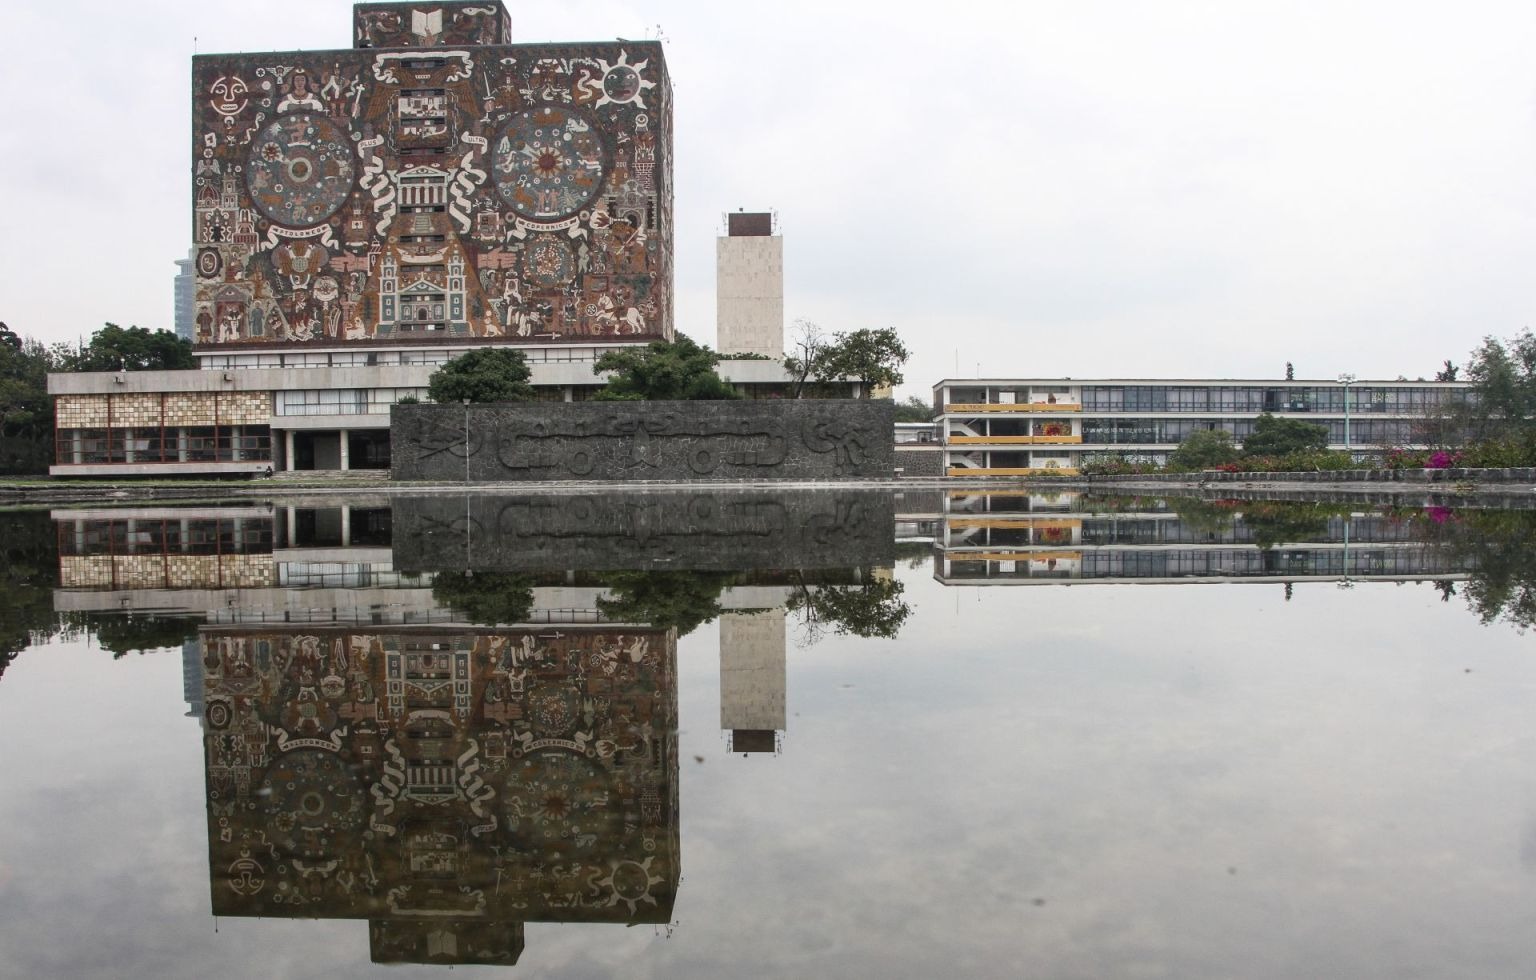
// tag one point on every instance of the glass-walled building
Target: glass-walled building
(1022, 427)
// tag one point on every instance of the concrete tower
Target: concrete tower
(749, 286)
(752, 679)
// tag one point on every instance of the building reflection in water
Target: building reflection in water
(374, 753)
(1033, 538)
(446, 785)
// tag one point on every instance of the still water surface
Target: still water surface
(1077, 738)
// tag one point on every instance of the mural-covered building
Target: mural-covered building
(359, 216)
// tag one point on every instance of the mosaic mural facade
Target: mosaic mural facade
(433, 183)
(446, 786)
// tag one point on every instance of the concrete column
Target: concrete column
(569, 393)
(181, 444)
(288, 452)
(293, 526)
(345, 459)
(76, 447)
(346, 524)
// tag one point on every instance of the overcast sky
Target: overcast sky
(1083, 188)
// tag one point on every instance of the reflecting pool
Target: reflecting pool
(786, 734)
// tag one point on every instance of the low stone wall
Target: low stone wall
(703, 529)
(636, 441)
(1454, 474)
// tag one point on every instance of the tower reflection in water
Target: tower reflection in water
(447, 786)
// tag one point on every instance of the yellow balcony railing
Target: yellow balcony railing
(1015, 440)
(966, 408)
(1012, 471)
(1014, 555)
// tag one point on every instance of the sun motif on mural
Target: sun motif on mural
(548, 162)
(300, 169)
(622, 82)
(630, 882)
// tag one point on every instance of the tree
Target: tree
(1498, 550)
(1503, 388)
(1274, 522)
(1448, 373)
(135, 349)
(1273, 436)
(874, 609)
(485, 598)
(873, 357)
(914, 409)
(26, 411)
(121, 635)
(664, 370)
(679, 599)
(1203, 449)
(808, 344)
(481, 376)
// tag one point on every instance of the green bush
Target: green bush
(1203, 449)
(1515, 450)
(1116, 466)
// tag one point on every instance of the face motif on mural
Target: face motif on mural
(228, 95)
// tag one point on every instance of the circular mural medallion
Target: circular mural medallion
(548, 163)
(310, 797)
(300, 169)
(209, 263)
(548, 263)
(552, 802)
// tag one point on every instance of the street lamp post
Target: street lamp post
(1346, 380)
(466, 442)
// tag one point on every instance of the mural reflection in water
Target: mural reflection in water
(448, 786)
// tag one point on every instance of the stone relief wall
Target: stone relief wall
(699, 530)
(632, 441)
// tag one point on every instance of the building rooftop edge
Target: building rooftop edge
(428, 52)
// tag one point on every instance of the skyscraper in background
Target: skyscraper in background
(185, 295)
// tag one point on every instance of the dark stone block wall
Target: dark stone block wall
(920, 462)
(704, 529)
(633, 441)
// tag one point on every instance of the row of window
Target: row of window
(1233, 563)
(1240, 398)
(389, 358)
(200, 536)
(171, 444)
(343, 401)
(1362, 432)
